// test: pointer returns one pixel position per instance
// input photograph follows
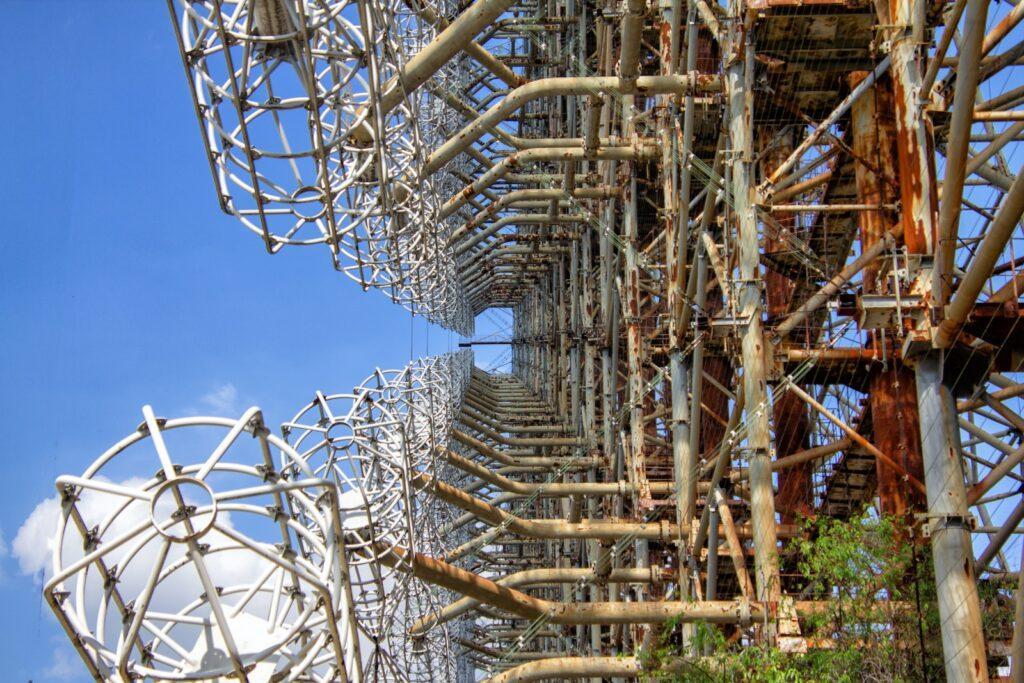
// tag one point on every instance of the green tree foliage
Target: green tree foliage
(880, 624)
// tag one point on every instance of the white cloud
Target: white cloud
(33, 544)
(4, 554)
(222, 400)
(65, 665)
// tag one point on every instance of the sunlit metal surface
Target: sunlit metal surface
(751, 262)
(183, 553)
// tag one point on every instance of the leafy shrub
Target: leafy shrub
(880, 624)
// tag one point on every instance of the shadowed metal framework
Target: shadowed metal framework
(759, 262)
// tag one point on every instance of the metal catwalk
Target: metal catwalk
(759, 258)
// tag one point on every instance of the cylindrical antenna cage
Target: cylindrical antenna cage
(185, 553)
(204, 547)
(357, 442)
(283, 92)
(371, 443)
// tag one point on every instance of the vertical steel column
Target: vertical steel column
(587, 324)
(561, 323)
(575, 371)
(552, 332)
(957, 147)
(739, 75)
(609, 354)
(674, 199)
(709, 407)
(893, 394)
(683, 463)
(962, 639)
(684, 457)
(963, 642)
(634, 340)
(795, 496)
(696, 417)
(918, 191)
(590, 403)
(1017, 643)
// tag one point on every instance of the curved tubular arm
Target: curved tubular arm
(522, 429)
(606, 529)
(514, 141)
(492, 257)
(468, 517)
(527, 441)
(517, 196)
(472, 48)
(505, 459)
(552, 490)
(513, 161)
(548, 87)
(528, 607)
(561, 668)
(532, 577)
(544, 528)
(518, 219)
(427, 61)
(461, 581)
(598, 667)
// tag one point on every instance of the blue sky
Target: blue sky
(123, 284)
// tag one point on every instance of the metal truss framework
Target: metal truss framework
(760, 259)
(259, 556)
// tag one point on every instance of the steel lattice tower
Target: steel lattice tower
(759, 263)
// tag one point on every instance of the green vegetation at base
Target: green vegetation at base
(881, 621)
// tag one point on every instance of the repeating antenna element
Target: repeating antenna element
(249, 554)
(373, 443)
(283, 90)
(184, 553)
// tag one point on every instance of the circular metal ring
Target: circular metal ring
(184, 511)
